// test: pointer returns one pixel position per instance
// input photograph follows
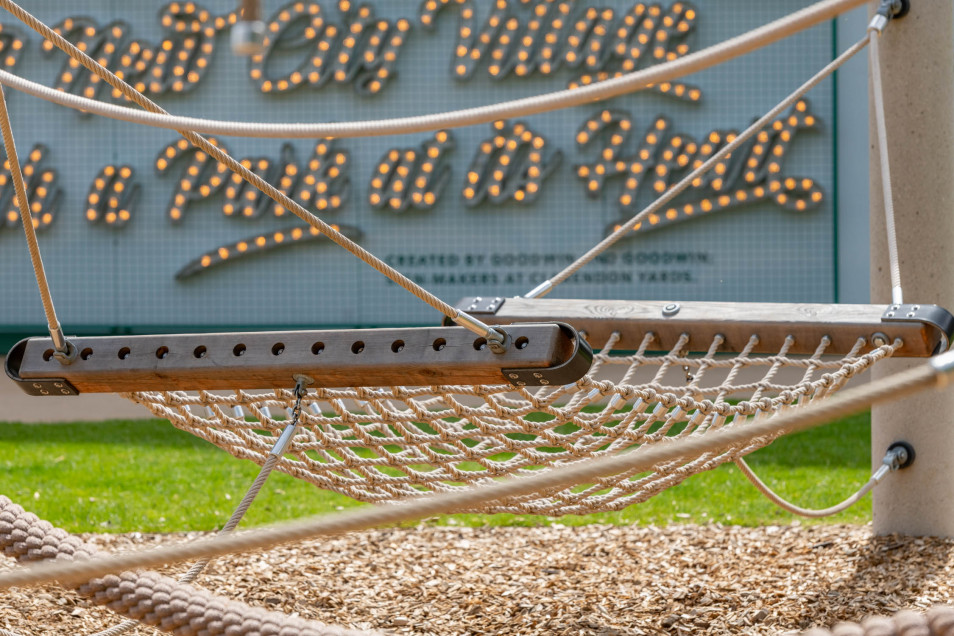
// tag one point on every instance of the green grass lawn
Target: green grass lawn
(145, 475)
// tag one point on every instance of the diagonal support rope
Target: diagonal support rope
(875, 30)
(63, 351)
(239, 513)
(546, 286)
(459, 317)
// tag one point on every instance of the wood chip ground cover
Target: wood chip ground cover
(602, 580)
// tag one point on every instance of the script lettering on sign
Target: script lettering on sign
(112, 196)
(412, 177)
(549, 34)
(511, 165)
(304, 48)
(750, 174)
(42, 190)
(178, 63)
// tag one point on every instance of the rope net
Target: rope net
(386, 444)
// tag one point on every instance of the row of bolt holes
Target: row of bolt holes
(279, 348)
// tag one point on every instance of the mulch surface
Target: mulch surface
(602, 580)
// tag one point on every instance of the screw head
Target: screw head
(671, 309)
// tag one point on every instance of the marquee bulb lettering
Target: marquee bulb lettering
(511, 165)
(412, 177)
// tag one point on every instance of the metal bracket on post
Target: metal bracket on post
(931, 316)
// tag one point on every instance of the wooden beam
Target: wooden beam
(536, 354)
(923, 334)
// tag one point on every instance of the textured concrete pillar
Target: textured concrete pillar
(917, 66)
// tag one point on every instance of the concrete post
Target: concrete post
(917, 67)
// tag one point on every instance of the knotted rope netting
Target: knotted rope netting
(380, 444)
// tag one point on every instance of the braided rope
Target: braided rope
(938, 621)
(148, 597)
(606, 89)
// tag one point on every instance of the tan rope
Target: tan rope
(677, 189)
(237, 515)
(275, 194)
(606, 89)
(150, 598)
(852, 400)
(938, 621)
(26, 218)
(812, 513)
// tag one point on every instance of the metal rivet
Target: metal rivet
(36, 385)
(671, 309)
(514, 376)
(544, 382)
(916, 307)
(538, 375)
(521, 384)
(911, 314)
(890, 314)
(894, 307)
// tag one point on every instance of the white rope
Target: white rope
(811, 513)
(877, 92)
(933, 374)
(548, 285)
(668, 71)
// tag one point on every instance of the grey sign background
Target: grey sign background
(124, 278)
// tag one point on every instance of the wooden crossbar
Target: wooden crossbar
(536, 354)
(924, 329)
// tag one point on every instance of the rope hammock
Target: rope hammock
(514, 391)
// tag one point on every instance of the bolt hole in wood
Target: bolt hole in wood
(86, 353)
(522, 342)
(162, 352)
(239, 350)
(439, 344)
(278, 348)
(357, 347)
(124, 353)
(480, 344)
(200, 351)
(317, 348)
(47, 355)
(397, 346)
